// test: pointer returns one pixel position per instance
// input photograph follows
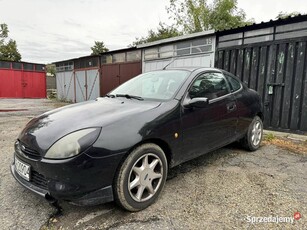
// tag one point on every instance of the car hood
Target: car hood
(41, 132)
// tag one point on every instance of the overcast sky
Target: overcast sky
(55, 30)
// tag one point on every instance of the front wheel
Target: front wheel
(141, 178)
(253, 137)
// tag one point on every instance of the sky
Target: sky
(53, 30)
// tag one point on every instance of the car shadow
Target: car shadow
(204, 160)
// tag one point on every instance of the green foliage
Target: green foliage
(283, 15)
(190, 15)
(51, 69)
(226, 15)
(4, 31)
(162, 32)
(8, 49)
(269, 137)
(51, 94)
(197, 15)
(98, 48)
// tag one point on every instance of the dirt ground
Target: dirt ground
(225, 189)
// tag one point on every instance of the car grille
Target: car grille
(38, 180)
(31, 153)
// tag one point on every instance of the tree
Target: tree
(9, 51)
(226, 15)
(51, 69)
(99, 48)
(8, 47)
(4, 31)
(163, 31)
(283, 15)
(197, 15)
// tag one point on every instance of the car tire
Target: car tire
(141, 178)
(253, 137)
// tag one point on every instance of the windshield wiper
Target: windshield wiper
(110, 95)
(130, 96)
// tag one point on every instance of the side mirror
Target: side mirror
(198, 102)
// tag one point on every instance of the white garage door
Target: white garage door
(65, 85)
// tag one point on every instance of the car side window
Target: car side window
(234, 83)
(209, 85)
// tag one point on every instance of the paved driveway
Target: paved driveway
(225, 189)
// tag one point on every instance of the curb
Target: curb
(291, 136)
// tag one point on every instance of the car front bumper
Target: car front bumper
(70, 181)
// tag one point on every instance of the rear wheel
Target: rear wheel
(141, 178)
(253, 137)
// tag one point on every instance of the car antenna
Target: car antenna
(174, 59)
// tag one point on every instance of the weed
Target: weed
(269, 137)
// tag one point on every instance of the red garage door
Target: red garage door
(112, 75)
(22, 80)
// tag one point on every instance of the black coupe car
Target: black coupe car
(121, 146)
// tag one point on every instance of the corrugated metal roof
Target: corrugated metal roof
(89, 56)
(23, 62)
(120, 50)
(74, 59)
(261, 25)
(178, 38)
(67, 60)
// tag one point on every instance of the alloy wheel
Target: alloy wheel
(256, 133)
(145, 177)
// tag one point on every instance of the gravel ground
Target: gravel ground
(220, 190)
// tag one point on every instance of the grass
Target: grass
(269, 137)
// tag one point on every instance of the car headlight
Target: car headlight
(73, 143)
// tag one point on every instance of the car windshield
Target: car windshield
(157, 85)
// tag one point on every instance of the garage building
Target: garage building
(65, 80)
(89, 77)
(118, 67)
(78, 79)
(271, 58)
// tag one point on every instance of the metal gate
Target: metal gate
(87, 84)
(112, 75)
(65, 85)
(278, 72)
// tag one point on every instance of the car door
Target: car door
(240, 97)
(213, 125)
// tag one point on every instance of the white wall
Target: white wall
(204, 60)
(192, 60)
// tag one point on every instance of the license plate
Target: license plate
(22, 169)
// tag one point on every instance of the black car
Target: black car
(121, 146)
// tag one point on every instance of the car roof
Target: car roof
(193, 68)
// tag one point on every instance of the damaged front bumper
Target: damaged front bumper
(99, 196)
